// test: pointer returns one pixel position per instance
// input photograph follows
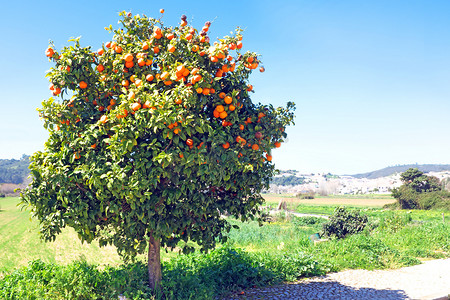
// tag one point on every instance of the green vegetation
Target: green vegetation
(344, 222)
(13, 170)
(287, 180)
(420, 191)
(402, 168)
(254, 256)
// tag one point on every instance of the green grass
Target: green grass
(20, 242)
(279, 251)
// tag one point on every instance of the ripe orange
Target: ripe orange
(161, 10)
(171, 48)
(118, 49)
(223, 115)
(145, 46)
(269, 157)
(262, 69)
(277, 144)
(104, 119)
(231, 107)
(129, 64)
(216, 113)
(49, 52)
(199, 90)
(135, 106)
(128, 57)
(220, 108)
(125, 83)
(222, 95)
(255, 147)
(189, 142)
(241, 127)
(181, 155)
(149, 77)
(155, 49)
(226, 145)
(176, 130)
(228, 100)
(83, 85)
(100, 68)
(141, 62)
(178, 101)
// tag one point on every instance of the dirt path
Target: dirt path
(429, 280)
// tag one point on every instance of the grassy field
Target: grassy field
(278, 251)
(20, 242)
(304, 205)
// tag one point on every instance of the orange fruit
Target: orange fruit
(156, 50)
(255, 147)
(269, 157)
(128, 57)
(178, 101)
(125, 83)
(181, 155)
(220, 108)
(222, 95)
(239, 45)
(171, 48)
(223, 115)
(231, 107)
(170, 36)
(49, 52)
(228, 100)
(145, 46)
(241, 127)
(277, 144)
(149, 77)
(262, 69)
(104, 119)
(189, 142)
(83, 85)
(135, 106)
(176, 130)
(161, 10)
(118, 49)
(226, 145)
(216, 113)
(199, 90)
(129, 64)
(100, 68)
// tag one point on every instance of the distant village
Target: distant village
(293, 182)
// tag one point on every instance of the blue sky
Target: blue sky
(371, 79)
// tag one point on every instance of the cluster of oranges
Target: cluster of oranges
(181, 64)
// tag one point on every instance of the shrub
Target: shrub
(344, 222)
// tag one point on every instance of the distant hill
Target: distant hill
(400, 169)
(14, 170)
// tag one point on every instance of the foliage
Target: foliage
(308, 221)
(150, 137)
(287, 180)
(416, 180)
(13, 170)
(402, 168)
(344, 222)
(197, 276)
(420, 191)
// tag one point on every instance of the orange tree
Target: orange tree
(154, 137)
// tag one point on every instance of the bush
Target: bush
(407, 198)
(344, 222)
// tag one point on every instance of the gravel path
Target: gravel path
(429, 280)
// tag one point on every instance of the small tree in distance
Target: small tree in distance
(154, 137)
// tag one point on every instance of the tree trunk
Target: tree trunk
(154, 263)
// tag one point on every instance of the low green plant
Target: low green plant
(344, 222)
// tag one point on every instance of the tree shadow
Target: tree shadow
(319, 290)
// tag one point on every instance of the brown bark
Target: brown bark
(154, 263)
